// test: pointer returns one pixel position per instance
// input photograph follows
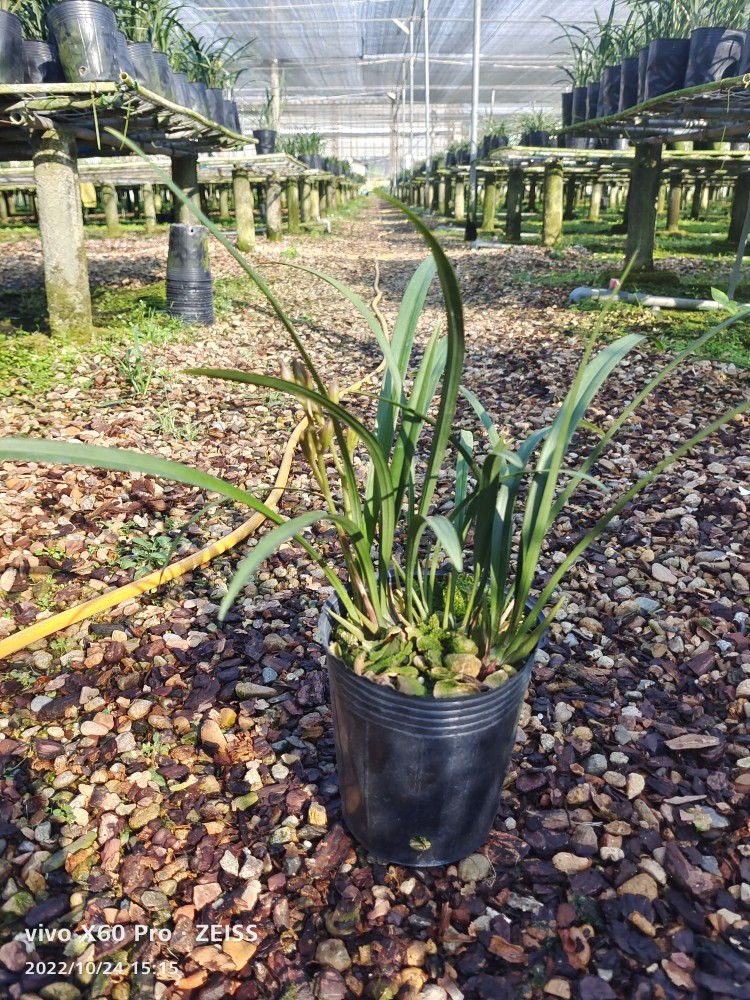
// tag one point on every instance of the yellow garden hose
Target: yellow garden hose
(41, 629)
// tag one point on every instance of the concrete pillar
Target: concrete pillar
(460, 211)
(273, 209)
(661, 202)
(306, 200)
(315, 202)
(644, 190)
(224, 201)
(532, 195)
(595, 205)
(292, 205)
(674, 202)
(185, 176)
(158, 200)
(66, 273)
(552, 210)
(329, 197)
(442, 207)
(109, 201)
(705, 199)
(489, 206)
(695, 206)
(149, 208)
(243, 210)
(4, 214)
(513, 205)
(739, 207)
(570, 199)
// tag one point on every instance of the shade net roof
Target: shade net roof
(341, 59)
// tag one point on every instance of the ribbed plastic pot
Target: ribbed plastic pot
(183, 94)
(123, 55)
(609, 92)
(85, 33)
(592, 99)
(189, 283)
(580, 99)
(215, 105)
(667, 63)
(266, 141)
(642, 67)
(715, 54)
(567, 108)
(420, 778)
(628, 83)
(11, 48)
(146, 71)
(166, 76)
(41, 63)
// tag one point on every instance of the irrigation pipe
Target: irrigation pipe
(41, 629)
(642, 298)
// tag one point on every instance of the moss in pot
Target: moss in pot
(438, 624)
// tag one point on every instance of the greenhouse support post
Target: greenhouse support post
(740, 199)
(552, 208)
(66, 274)
(292, 205)
(644, 191)
(427, 136)
(273, 209)
(674, 202)
(185, 176)
(306, 200)
(513, 205)
(243, 210)
(490, 202)
(109, 200)
(474, 129)
(595, 206)
(224, 201)
(149, 208)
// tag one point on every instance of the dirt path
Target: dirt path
(166, 771)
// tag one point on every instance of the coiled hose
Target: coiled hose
(96, 605)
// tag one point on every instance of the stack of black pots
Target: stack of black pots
(190, 293)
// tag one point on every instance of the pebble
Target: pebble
(647, 603)
(212, 736)
(230, 863)
(654, 869)
(639, 885)
(558, 987)
(93, 729)
(663, 574)
(570, 863)
(596, 764)
(64, 779)
(153, 899)
(317, 815)
(475, 868)
(38, 703)
(563, 713)
(125, 742)
(279, 772)
(227, 718)
(744, 763)
(623, 736)
(88, 694)
(60, 991)
(252, 868)
(269, 675)
(583, 733)
(743, 689)
(547, 742)
(618, 757)
(578, 795)
(636, 784)
(139, 709)
(246, 689)
(143, 816)
(333, 954)
(611, 853)
(584, 840)
(433, 992)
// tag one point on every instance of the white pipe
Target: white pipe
(642, 298)
(428, 138)
(474, 131)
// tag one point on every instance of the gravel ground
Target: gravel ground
(166, 777)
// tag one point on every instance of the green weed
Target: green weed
(169, 426)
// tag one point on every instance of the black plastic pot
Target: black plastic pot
(11, 48)
(232, 117)
(215, 104)
(619, 144)
(499, 141)
(266, 140)
(41, 63)
(609, 91)
(592, 99)
(85, 33)
(580, 99)
(420, 778)
(463, 157)
(146, 70)
(744, 66)
(200, 97)
(628, 83)
(537, 137)
(667, 63)
(642, 67)
(167, 86)
(189, 284)
(567, 108)
(450, 159)
(486, 145)
(123, 55)
(715, 54)
(183, 95)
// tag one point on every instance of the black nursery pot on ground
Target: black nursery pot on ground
(266, 141)
(85, 32)
(715, 54)
(11, 48)
(420, 778)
